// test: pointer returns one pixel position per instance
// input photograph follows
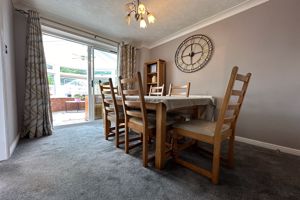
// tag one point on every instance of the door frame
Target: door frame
(102, 46)
(92, 83)
(4, 149)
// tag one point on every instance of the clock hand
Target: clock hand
(198, 52)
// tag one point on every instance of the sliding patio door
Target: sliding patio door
(74, 70)
(104, 67)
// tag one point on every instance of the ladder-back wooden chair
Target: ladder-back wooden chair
(179, 90)
(113, 115)
(156, 90)
(136, 118)
(215, 132)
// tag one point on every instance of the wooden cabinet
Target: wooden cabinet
(154, 74)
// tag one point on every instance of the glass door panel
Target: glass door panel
(105, 67)
(67, 67)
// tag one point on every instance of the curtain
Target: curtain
(37, 113)
(128, 60)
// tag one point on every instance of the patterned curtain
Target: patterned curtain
(37, 113)
(128, 60)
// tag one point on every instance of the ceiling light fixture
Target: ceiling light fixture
(139, 11)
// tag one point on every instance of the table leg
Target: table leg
(160, 136)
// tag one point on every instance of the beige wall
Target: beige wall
(264, 40)
(7, 64)
(143, 55)
(20, 51)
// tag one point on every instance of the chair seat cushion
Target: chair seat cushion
(139, 121)
(151, 121)
(112, 115)
(200, 127)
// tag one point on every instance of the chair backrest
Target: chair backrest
(156, 90)
(108, 96)
(133, 107)
(233, 99)
(180, 90)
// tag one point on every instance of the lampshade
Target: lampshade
(151, 18)
(143, 23)
(141, 9)
(128, 19)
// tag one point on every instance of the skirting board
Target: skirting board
(268, 145)
(238, 138)
(14, 145)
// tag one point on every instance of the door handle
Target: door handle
(92, 83)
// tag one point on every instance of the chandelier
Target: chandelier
(139, 11)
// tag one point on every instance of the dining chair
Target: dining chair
(215, 132)
(113, 115)
(156, 90)
(136, 117)
(179, 90)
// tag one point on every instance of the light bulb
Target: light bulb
(141, 9)
(151, 18)
(128, 19)
(143, 23)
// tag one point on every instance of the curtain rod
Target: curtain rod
(74, 28)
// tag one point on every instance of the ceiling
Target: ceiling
(107, 17)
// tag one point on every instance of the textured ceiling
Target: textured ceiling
(107, 17)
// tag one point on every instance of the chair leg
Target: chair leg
(175, 146)
(126, 140)
(106, 128)
(216, 162)
(117, 136)
(145, 149)
(230, 158)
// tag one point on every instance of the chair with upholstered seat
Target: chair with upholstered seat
(179, 90)
(156, 90)
(113, 115)
(136, 117)
(215, 132)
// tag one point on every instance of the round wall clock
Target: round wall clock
(194, 53)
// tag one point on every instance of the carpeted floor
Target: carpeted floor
(77, 163)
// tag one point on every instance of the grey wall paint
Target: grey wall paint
(263, 40)
(8, 69)
(143, 55)
(20, 52)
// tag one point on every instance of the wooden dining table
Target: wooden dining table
(162, 104)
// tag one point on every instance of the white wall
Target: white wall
(3, 137)
(8, 105)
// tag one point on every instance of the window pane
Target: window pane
(105, 66)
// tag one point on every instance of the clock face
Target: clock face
(193, 53)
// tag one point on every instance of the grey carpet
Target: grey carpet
(77, 163)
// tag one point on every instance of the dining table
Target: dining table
(205, 109)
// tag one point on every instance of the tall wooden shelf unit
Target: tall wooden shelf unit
(154, 74)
